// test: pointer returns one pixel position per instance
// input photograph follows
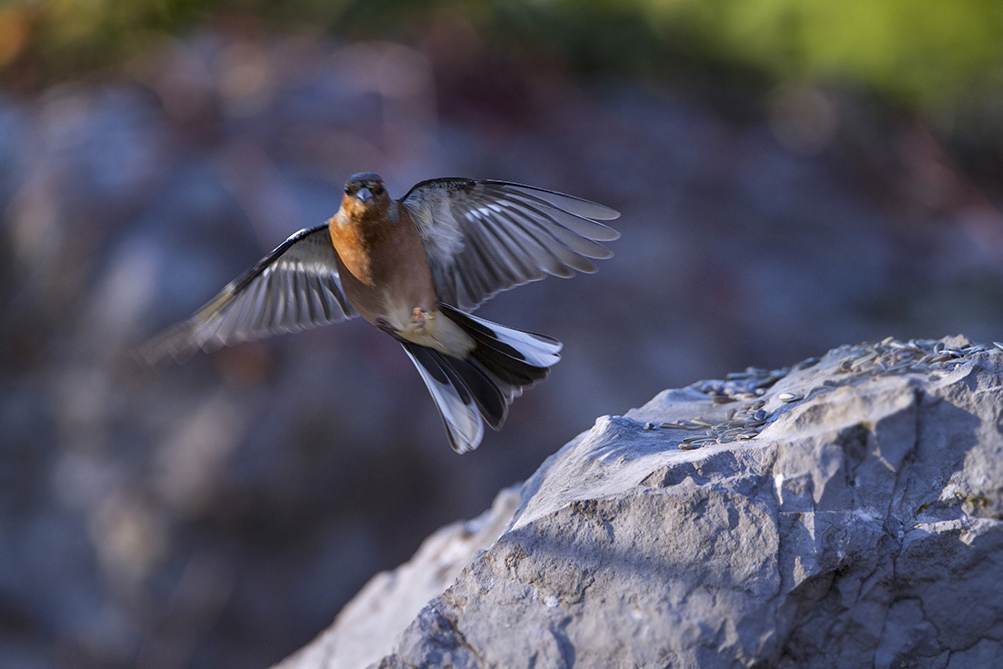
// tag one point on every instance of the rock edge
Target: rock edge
(846, 512)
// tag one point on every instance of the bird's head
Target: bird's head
(365, 196)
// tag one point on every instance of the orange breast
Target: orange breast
(384, 268)
(355, 251)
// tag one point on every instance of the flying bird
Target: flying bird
(415, 268)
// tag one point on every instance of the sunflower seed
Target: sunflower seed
(808, 362)
(902, 366)
(863, 360)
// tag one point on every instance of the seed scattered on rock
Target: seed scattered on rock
(857, 364)
(809, 362)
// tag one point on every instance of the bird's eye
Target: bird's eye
(348, 190)
(378, 189)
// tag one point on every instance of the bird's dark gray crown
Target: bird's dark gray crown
(364, 180)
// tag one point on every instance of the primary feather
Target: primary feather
(293, 288)
(483, 237)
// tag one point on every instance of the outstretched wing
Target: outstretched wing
(482, 237)
(294, 287)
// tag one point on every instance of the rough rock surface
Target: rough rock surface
(844, 513)
(366, 627)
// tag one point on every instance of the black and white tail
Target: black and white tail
(504, 362)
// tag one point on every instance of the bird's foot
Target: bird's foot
(419, 318)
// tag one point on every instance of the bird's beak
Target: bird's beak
(363, 195)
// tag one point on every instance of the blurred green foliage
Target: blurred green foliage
(924, 51)
(928, 53)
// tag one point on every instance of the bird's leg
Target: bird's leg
(419, 317)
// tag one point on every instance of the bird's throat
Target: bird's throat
(356, 243)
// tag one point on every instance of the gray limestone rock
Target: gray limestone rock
(365, 629)
(844, 513)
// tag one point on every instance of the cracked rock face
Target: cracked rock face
(843, 513)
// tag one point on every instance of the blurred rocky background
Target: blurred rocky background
(792, 176)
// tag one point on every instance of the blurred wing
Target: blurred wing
(482, 237)
(293, 288)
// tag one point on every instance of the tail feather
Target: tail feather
(503, 364)
(510, 367)
(456, 406)
(473, 385)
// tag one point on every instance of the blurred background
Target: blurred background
(792, 175)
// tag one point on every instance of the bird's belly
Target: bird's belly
(429, 328)
(388, 296)
(388, 303)
(391, 287)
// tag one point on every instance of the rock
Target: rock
(365, 629)
(844, 513)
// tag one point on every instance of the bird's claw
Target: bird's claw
(419, 317)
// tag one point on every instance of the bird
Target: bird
(415, 268)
